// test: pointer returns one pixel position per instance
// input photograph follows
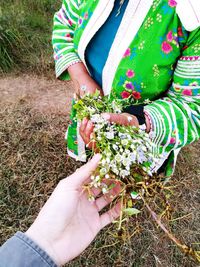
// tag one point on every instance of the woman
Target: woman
(143, 48)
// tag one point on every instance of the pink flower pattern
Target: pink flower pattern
(166, 47)
(127, 53)
(172, 3)
(187, 92)
(130, 73)
(170, 36)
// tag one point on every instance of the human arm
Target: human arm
(67, 61)
(68, 222)
(176, 116)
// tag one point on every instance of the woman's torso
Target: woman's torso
(145, 50)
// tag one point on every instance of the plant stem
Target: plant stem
(185, 249)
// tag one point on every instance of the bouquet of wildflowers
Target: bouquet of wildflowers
(126, 160)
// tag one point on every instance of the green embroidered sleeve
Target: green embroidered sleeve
(176, 117)
(65, 21)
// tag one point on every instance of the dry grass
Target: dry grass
(33, 160)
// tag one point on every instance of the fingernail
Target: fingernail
(84, 121)
(106, 116)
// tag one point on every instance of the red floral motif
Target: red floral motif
(166, 47)
(185, 47)
(136, 95)
(125, 94)
(180, 32)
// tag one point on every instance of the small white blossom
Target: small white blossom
(115, 147)
(124, 173)
(107, 176)
(110, 135)
(118, 158)
(103, 171)
(132, 157)
(104, 190)
(124, 142)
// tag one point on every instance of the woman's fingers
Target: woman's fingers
(86, 130)
(89, 129)
(121, 119)
(106, 199)
(110, 215)
(83, 125)
(83, 173)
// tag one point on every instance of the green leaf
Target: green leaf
(131, 211)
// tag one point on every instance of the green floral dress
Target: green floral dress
(156, 54)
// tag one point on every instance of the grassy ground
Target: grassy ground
(25, 35)
(33, 160)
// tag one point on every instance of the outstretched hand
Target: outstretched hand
(69, 222)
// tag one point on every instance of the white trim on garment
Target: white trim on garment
(132, 20)
(81, 145)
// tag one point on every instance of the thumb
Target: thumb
(83, 173)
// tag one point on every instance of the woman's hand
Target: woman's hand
(126, 119)
(86, 132)
(69, 222)
(83, 82)
(121, 119)
(87, 127)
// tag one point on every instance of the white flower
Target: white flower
(122, 135)
(115, 147)
(103, 162)
(104, 190)
(117, 107)
(118, 158)
(107, 160)
(115, 170)
(124, 142)
(126, 161)
(124, 173)
(96, 118)
(132, 157)
(97, 178)
(103, 171)
(110, 135)
(99, 138)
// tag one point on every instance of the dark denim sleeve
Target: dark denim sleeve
(21, 251)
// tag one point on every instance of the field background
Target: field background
(34, 110)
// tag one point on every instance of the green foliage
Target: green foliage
(25, 34)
